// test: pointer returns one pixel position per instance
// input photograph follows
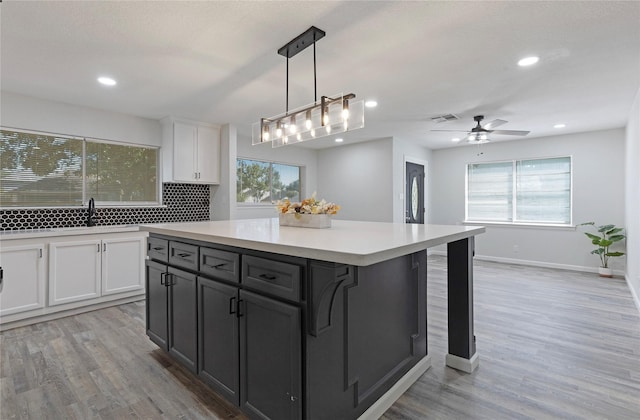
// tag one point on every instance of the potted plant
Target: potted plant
(607, 236)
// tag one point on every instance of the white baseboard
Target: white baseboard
(383, 403)
(533, 263)
(634, 294)
(636, 298)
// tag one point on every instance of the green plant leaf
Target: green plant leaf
(605, 242)
(597, 251)
(592, 236)
(615, 254)
(605, 228)
(614, 231)
(616, 238)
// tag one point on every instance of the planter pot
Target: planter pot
(605, 272)
(317, 221)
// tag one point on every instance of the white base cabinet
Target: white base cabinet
(90, 268)
(52, 276)
(23, 278)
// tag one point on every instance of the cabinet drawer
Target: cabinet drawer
(158, 249)
(183, 255)
(273, 277)
(220, 264)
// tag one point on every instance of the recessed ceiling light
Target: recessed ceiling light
(528, 61)
(339, 140)
(455, 139)
(561, 125)
(371, 104)
(107, 81)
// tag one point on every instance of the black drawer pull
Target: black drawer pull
(232, 306)
(268, 276)
(158, 248)
(219, 265)
(184, 255)
(163, 282)
(240, 314)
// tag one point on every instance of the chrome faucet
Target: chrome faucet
(91, 212)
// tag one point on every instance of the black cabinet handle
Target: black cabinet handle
(163, 281)
(240, 314)
(1, 279)
(219, 265)
(184, 255)
(158, 248)
(232, 306)
(268, 276)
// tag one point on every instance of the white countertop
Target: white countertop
(347, 242)
(69, 231)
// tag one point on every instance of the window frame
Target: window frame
(300, 167)
(85, 196)
(514, 191)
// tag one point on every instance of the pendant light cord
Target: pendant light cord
(315, 88)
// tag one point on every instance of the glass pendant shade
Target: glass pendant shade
(307, 122)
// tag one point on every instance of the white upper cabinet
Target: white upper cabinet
(191, 152)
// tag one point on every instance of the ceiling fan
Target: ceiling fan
(480, 133)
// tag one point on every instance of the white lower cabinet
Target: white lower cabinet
(89, 268)
(23, 278)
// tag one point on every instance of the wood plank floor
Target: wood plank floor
(552, 344)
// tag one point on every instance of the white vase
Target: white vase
(605, 272)
(317, 221)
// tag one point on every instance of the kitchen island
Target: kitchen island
(295, 323)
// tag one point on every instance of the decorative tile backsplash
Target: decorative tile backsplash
(184, 203)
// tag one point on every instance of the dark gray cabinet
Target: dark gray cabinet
(270, 358)
(171, 311)
(156, 305)
(218, 364)
(183, 317)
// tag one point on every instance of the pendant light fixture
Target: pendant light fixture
(330, 115)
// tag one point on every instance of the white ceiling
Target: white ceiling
(216, 61)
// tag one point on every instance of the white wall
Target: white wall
(358, 177)
(632, 193)
(19, 111)
(598, 195)
(223, 196)
(293, 155)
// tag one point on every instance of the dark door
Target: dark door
(414, 196)
(218, 364)
(156, 304)
(270, 358)
(183, 317)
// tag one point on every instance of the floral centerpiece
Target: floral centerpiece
(308, 213)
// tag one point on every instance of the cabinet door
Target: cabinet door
(218, 337)
(74, 271)
(270, 358)
(122, 265)
(23, 278)
(156, 304)
(183, 317)
(208, 155)
(184, 151)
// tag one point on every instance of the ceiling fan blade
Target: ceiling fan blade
(459, 131)
(493, 124)
(511, 132)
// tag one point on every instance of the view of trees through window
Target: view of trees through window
(44, 170)
(265, 182)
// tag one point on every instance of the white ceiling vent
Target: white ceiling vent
(444, 118)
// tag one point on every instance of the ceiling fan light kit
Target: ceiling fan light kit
(331, 115)
(481, 134)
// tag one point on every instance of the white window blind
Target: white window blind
(50, 170)
(117, 173)
(536, 191)
(40, 170)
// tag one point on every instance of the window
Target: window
(47, 170)
(262, 182)
(536, 191)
